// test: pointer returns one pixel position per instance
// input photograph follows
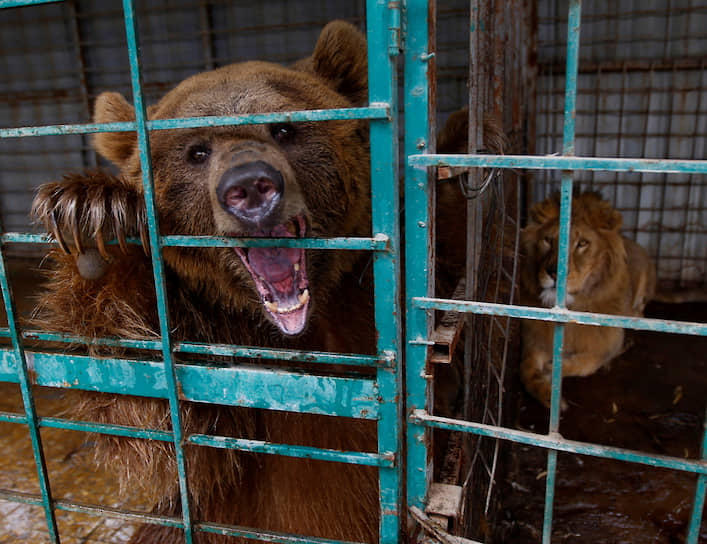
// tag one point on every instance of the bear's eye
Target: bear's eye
(198, 153)
(282, 133)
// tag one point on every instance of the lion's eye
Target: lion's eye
(548, 240)
(582, 243)
(198, 153)
(283, 133)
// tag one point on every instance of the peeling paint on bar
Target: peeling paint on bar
(379, 111)
(562, 316)
(380, 242)
(555, 162)
(318, 357)
(250, 386)
(259, 446)
(556, 442)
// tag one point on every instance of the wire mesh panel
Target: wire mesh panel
(640, 93)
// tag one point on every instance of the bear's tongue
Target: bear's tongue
(281, 279)
(275, 264)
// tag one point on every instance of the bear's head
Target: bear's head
(268, 180)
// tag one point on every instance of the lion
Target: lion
(607, 274)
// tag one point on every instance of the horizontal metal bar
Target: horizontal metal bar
(169, 521)
(104, 428)
(561, 316)
(9, 417)
(317, 357)
(553, 162)
(285, 355)
(380, 242)
(386, 460)
(249, 386)
(259, 446)
(374, 111)
(556, 442)
(22, 3)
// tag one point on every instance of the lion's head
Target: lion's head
(597, 257)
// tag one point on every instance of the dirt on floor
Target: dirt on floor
(651, 399)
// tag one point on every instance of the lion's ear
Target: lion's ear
(545, 211)
(612, 218)
(600, 212)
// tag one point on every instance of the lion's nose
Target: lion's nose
(551, 271)
(251, 192)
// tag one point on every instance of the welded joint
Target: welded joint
(394, 43)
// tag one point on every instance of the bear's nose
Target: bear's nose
(251, 192)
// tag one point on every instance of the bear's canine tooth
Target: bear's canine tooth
(272, 306)
(297, 267)
(304, 297)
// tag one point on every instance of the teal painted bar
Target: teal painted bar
(255, 446)
(21, 375)
(23, 3)
(379, 242)
(316, 357)
(248, 386)
(568, 147)
(698, 504)
(7, 417)
(554, 162)
(562, 316)
(143, 140)
(259, 446)
(382, 25)
(378, 111)
(556, 442)
(419, 277)
(140, 517)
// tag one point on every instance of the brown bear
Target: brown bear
(279, 180)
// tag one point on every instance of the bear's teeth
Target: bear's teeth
(297, 267)
(272, 306)
(304, 297)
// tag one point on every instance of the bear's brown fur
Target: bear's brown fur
(322, 173)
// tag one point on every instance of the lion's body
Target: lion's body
(607, 274)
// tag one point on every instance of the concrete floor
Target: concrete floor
(72, 474)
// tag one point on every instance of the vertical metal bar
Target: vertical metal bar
(692, 203)
(28, 400)
(383, 27)
(419, 253)
(207, 42)
(568, 148)
(698, 505)
(156, 253)
(639, 192)
(622, 101)
(88, 154)
(665, 177)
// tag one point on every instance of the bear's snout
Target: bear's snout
(252, 192)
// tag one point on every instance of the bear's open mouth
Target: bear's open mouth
(280, 276)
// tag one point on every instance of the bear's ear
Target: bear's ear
(117, 147)
(340, 57)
